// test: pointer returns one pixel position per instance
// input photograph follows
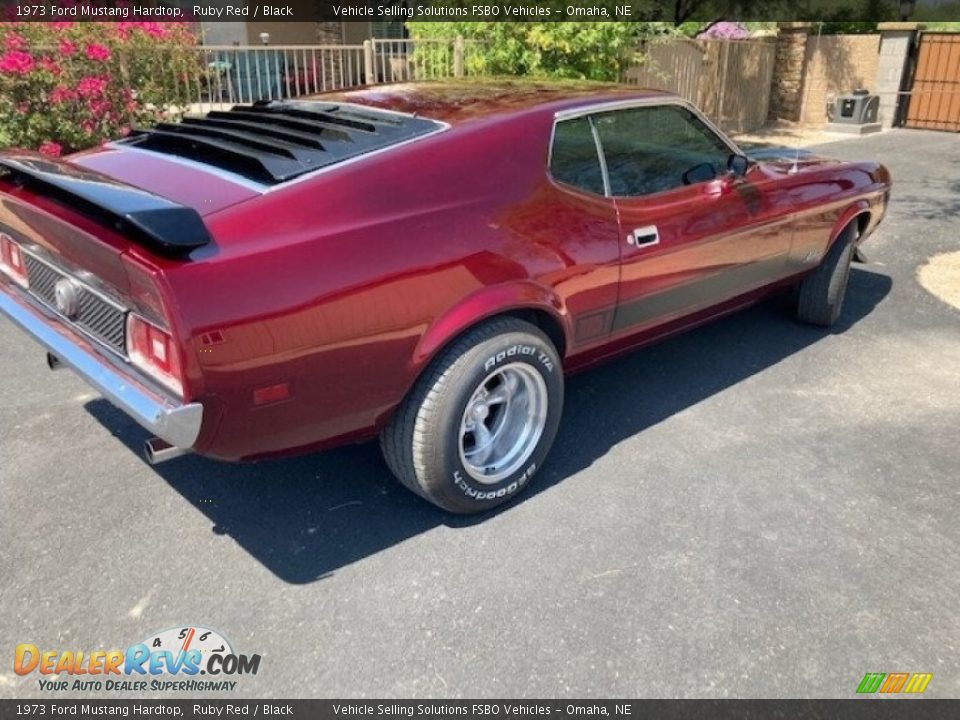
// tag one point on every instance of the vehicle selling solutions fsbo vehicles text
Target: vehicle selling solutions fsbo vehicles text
(397, 12)
(479, 10)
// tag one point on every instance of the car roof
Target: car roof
(458, 101)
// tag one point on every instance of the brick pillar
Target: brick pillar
(896, 40)
(329, 33)
(786, 96)
(333, 76)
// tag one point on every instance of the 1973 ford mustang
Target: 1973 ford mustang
(418, 262)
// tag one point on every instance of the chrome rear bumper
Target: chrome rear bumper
(178, 424)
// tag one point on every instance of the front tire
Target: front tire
(821, 294)
(479, 423)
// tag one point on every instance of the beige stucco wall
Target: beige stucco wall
(894, 50)
(835, 65)
(309, 33)
(354, 33)
(284, 33)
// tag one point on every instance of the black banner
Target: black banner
(670, 11)
(866, 709)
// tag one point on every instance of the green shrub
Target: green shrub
(68, 86)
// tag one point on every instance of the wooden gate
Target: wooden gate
(675, 66)
(735, 93)
(935, 94)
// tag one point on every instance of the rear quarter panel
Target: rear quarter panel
(332, 283)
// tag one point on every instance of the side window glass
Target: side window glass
(574, 159)
(653, 149)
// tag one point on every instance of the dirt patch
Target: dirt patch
(941, 277)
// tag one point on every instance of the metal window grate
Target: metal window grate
(95, 316)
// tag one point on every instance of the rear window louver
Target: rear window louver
(271, 142)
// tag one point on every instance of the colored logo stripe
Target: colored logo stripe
(894, 683)
(870, 683)
(918, 682)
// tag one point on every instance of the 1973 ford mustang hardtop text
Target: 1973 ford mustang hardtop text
(422, 262)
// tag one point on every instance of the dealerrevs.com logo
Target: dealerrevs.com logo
(170, 660)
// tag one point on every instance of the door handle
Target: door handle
(644, 236)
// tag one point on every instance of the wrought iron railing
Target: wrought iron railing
(228, 74)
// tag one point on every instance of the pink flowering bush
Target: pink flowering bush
(50, 148)
(98, 52)
(725, 31)
(16, 62)
(68, 86)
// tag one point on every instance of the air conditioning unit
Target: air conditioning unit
(857, 108)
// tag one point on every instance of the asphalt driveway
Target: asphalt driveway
(755, 509)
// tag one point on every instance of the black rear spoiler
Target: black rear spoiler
(149, 219)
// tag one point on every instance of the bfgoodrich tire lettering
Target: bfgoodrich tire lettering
(495, 396)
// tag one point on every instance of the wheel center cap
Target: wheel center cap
(480, 412)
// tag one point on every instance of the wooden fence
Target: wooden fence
(729, 80)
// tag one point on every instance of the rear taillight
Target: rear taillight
(153, 351)
(11, 260)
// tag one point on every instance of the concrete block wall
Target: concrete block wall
(808, 69)
(895, 44)
(836, 65)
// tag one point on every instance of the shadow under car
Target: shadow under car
(307, 516)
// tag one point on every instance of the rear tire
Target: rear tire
(480, 421)
(821, 294)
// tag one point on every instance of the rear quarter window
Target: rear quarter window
(574, 159)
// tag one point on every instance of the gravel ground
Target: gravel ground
(941, 277)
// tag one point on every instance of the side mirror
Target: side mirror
(738, 165)
(702, 172)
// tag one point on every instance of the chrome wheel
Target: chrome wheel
(503, 422)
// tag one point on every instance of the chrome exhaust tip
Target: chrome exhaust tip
(156, 451)
(54, 363)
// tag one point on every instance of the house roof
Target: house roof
(456, 101)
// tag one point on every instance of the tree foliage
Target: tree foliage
(573, 49)
(707, 11)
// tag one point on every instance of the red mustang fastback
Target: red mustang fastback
(418, 262)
